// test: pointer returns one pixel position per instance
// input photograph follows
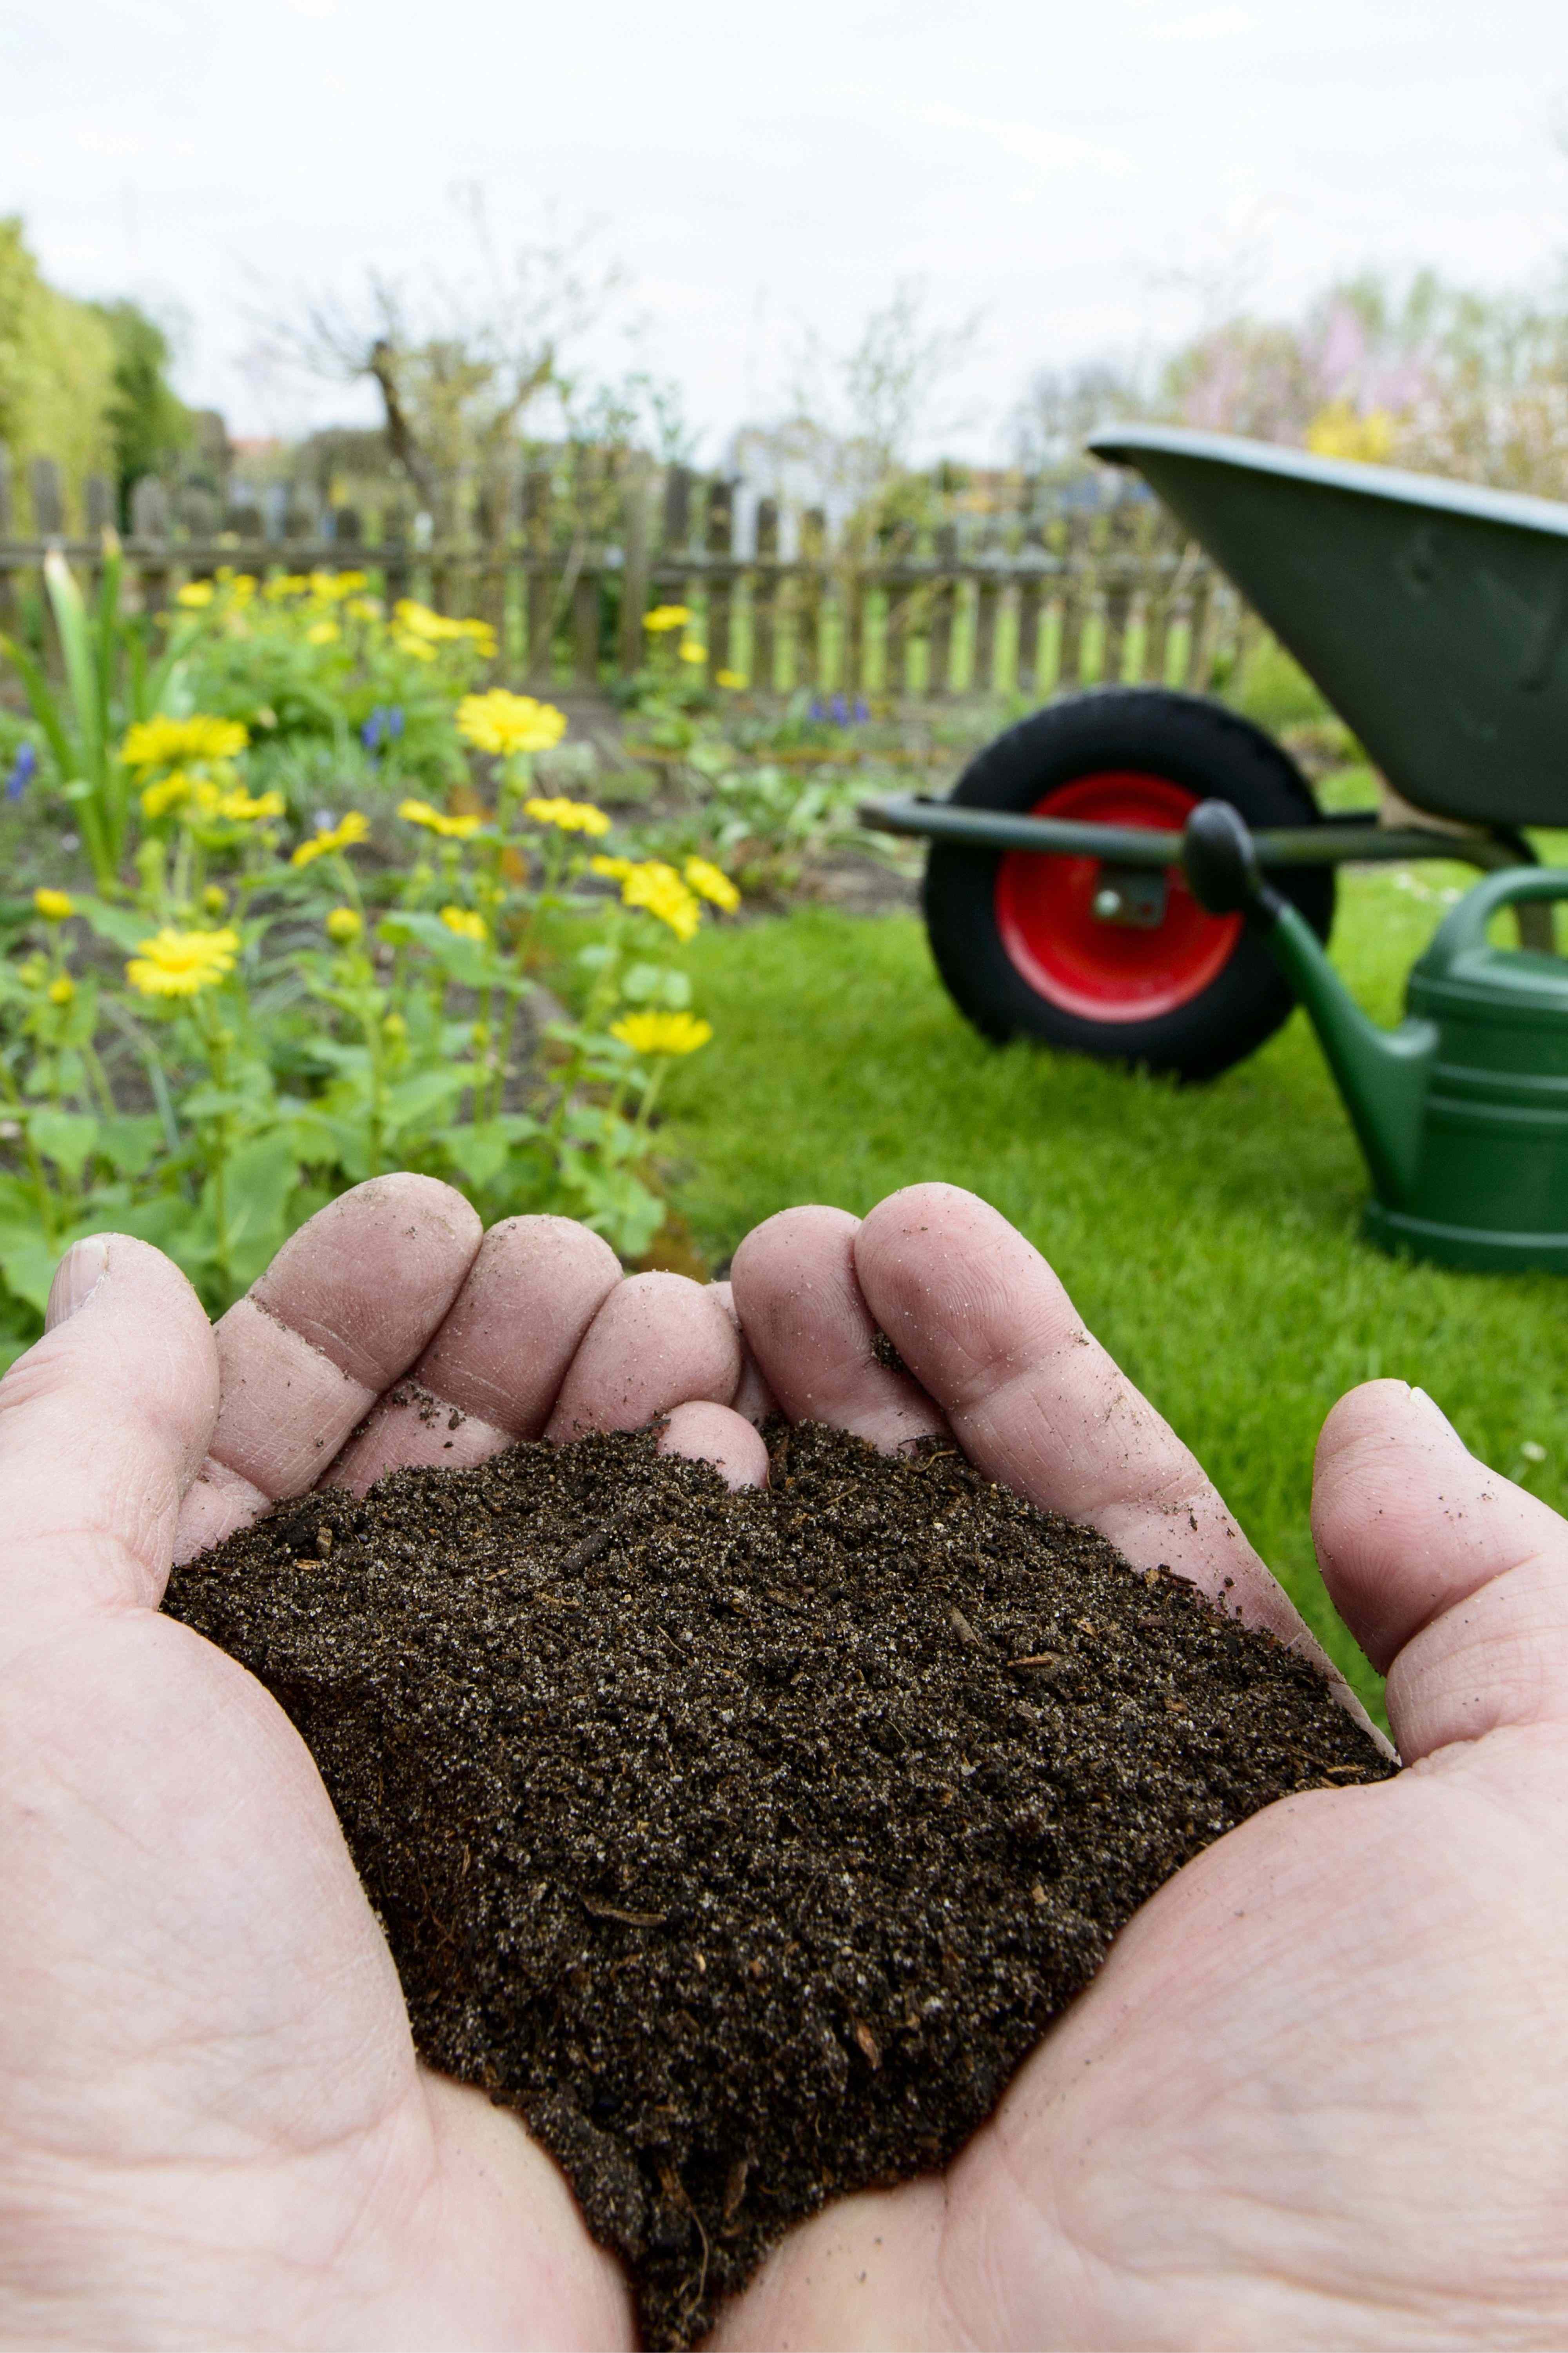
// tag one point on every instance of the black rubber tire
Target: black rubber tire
(1198, 745)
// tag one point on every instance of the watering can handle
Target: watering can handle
(1465, 927)
(1219, 858)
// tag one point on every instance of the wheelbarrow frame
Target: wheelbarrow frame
(1287, 527)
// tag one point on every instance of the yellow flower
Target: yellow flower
(194, 594)
(693, 652)
(158, 799)
(182, 963)
(662, 1033)
(164, 743)
(572, 816)
(1337, 431)
(214, 901)
(341, 835)
(665, 617)
(418, 621)
(414, 646)
(615, 869)
(465, 922)
(323, 633)
(284, 584)
(733, 680)
(344, 925)
(503, 722)
(658, 890)
(247, 809)
(363, 608)
(62, 989)
(54, 906)
(434, 820)
(712, 883)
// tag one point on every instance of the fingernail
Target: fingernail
(1433, 1407)
(76, 1277)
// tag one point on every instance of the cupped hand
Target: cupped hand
(1316, 2094)
(1313, 2096)
(212, 2127)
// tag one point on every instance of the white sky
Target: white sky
(1054, 164)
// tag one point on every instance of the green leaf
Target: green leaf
(481, 1153)
(66, 1137)
(257, 1184)
(129, 1143)
(217, 1102)
(419, 1098)
(122, 927)
(657, 984)
(27, 1261)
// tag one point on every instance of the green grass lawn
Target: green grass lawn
(1208, 1235)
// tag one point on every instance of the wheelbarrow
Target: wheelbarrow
(1433, 617)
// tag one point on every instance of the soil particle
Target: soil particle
(747, 1844)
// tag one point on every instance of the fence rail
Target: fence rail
(985, 596)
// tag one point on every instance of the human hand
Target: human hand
(1315, 2094)
(212, 2127)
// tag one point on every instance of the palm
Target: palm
(1271, 2118)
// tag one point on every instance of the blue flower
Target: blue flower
(840, 711)
(22, 775)
(385, 725)
(862, 711)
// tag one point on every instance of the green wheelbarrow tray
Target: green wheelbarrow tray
(1433, 615)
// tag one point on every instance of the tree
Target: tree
(460, 360)
(148, 423)
(57, 368)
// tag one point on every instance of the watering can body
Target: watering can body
(1462, 1112)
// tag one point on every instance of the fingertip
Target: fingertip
(658, 1340)
(717, 1435)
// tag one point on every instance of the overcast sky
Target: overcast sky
(1071, 171)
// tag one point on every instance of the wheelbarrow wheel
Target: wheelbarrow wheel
(1022, 942)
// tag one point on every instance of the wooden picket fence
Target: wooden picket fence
(996, 596)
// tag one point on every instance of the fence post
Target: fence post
(1070, 638)
(808, 597)
(764, 599)
(1031, 596)
(635, 538)
(898, 548)
(719, 541)
(1200, 626)
(150, 521)
(48, 499)
(939, 629)
(536, 518)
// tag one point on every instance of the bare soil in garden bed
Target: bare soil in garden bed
(746, 1844)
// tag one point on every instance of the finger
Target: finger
(812, 1334)
(493, 1371)
(717, 1434)
(658, 1340)
(753, 1398)
(1453, 1579)
(1036, 1402)
(102, 1425)
(344, 1308)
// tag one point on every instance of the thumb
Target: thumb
(1452, 1579)
(103, 1425)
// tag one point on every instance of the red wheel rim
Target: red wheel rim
(1109, 972)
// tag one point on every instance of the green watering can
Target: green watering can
(1462, 1112)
